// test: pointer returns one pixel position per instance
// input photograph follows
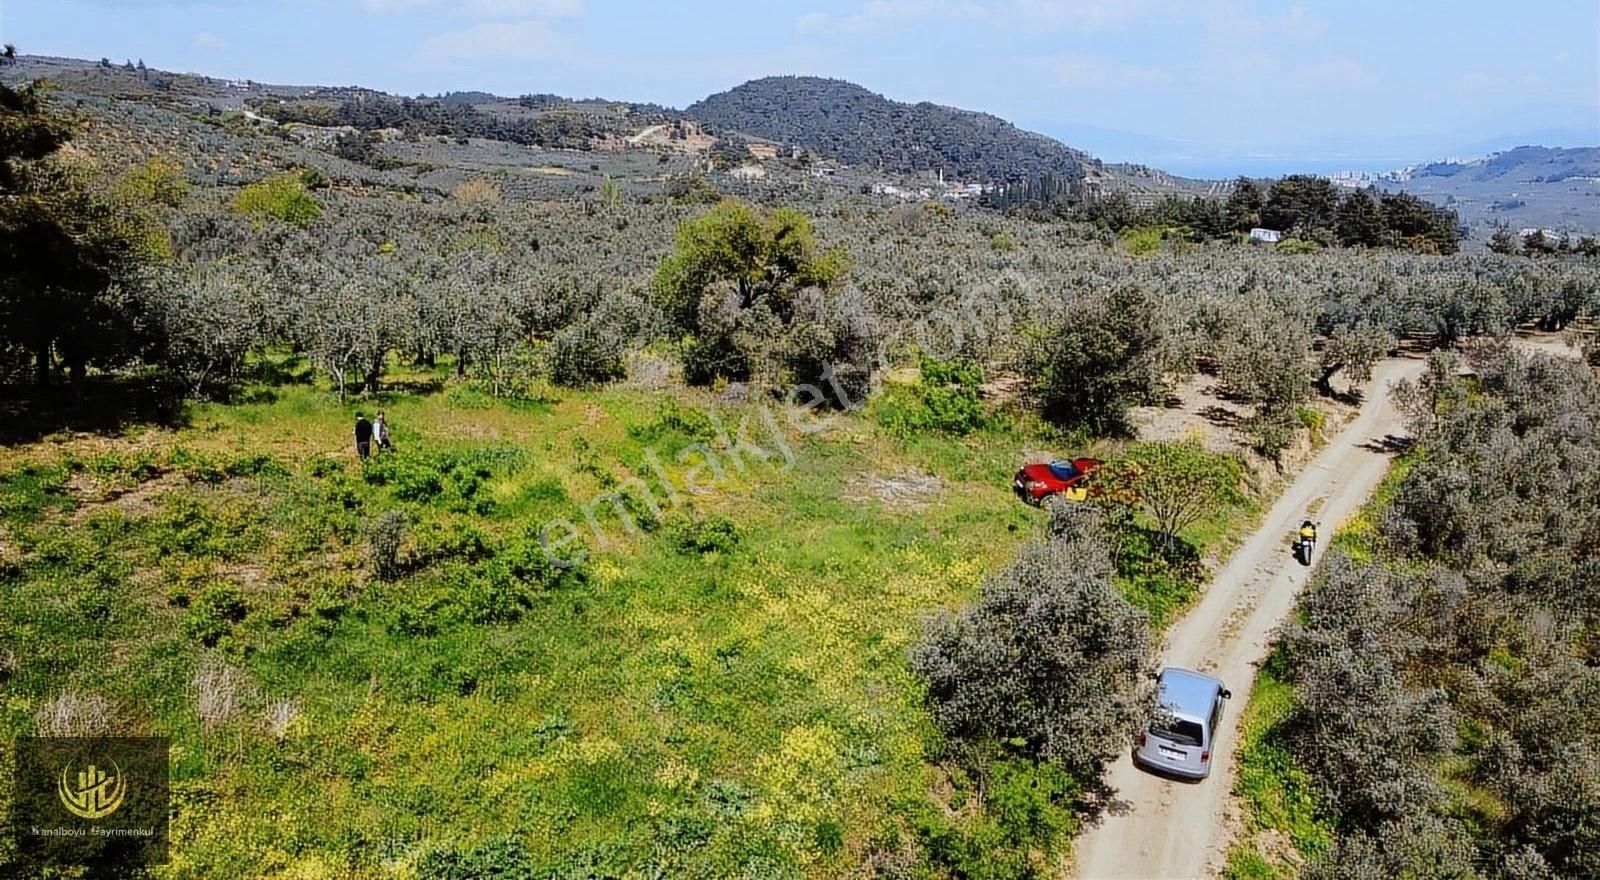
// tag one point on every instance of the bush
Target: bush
(1051, 658)
(714, 534)
(587, 353)
(384, 538)
(282, 198)
(944, 399)
(830, 346)
(1089, 368)
(673, 417)
(497, 858)
(213, 614)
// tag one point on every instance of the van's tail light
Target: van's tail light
(1205, 755)
(1141, 739)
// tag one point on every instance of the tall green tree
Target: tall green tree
(1303, 204)
(1088, 369)
(1359, 222)
(68, 253)
(1418, 225)
(1243, 209)
(1504, 241)
(765, 256)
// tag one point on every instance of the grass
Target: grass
(723, 693)
(1358, 537)
(720, 690)
(1279, 796)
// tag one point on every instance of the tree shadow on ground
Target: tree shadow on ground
(1099, 800)
(1222, 417)
(1389, 444)
(412, 386)
(30, 413)
(1348, 397)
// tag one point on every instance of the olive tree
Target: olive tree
(1354, 350)
(1090, 365)
(1051, 655)
(1175, 483)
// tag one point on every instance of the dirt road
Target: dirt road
(1162, 828)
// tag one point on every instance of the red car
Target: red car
(1069, 479)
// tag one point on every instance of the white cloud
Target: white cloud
(879, 15)
(485, 8)
(1221, 20)
(1104, 74)
(208, 40)
(813, 23)
(531, 39)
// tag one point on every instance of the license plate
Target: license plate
(1174, 754)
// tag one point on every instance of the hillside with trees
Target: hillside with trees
(850, 124)
(694, 552)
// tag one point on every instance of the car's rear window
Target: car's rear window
(1063, 470)
(1184, 733)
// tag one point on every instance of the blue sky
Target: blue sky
(1190, 85)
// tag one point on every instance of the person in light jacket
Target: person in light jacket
(380, 434)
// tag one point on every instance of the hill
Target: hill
(859, 127)
(1530, 186)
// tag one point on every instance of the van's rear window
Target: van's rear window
(1184, 733)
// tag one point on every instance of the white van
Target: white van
(1182, 743)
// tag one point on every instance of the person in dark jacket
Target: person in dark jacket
(363, 436)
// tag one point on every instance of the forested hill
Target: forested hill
(848, 123)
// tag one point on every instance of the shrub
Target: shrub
(673, 417)
(497, 858)
(384, 538)
(255, 465)
(212, 615)
(281, 198)
(587, 353)
(831, 344)
(158, 181)
(1051, 657)
(714, 534)
(1143, 241)
(945, 399)
(1087, 369)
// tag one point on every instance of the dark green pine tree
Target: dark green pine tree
(1359, 222)
(1243, 210)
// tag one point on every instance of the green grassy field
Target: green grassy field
(721, 691)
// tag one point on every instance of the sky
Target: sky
(1200, 87)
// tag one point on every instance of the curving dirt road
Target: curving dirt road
(1160, 828)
